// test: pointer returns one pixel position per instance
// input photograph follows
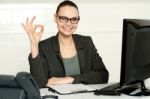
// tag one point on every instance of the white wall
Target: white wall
(102, 21)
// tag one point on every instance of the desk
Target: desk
(44, 91)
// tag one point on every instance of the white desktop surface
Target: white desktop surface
(44, 91)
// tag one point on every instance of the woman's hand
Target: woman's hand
(60, 80)
(34, 32)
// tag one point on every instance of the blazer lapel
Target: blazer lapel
(57, 49)
(80, 52)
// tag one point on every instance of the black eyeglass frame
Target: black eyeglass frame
(66, 19)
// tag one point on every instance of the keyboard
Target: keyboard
(113, 89)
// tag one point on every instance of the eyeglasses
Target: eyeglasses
(73, 20)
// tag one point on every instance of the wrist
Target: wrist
(34, 51)
(70, 79)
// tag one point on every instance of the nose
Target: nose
(68, 22)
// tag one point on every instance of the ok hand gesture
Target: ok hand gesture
(31, 29)
(34, 32)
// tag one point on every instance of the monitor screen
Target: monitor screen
(135, 62)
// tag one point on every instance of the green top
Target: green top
(71, 66)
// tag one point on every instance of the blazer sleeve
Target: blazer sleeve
(98, 73)
(39, 68)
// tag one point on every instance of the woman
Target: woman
(66, 57)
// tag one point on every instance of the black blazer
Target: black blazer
(49, 62)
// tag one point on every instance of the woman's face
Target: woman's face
(67, 20)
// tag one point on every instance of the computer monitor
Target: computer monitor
(135, 62)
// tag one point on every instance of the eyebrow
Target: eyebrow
(69, 17)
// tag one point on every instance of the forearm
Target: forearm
(37, 70)
(93, 77)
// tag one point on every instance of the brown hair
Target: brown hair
(66, 3)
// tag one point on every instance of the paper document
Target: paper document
(71, 88)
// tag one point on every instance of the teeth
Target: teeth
(68, 29)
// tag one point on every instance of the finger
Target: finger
(24, 26)
(41, 27)
(32, 20)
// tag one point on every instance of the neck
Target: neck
(65, 40)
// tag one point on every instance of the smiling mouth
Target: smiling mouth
(67, 29)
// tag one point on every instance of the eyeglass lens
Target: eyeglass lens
(73, 20)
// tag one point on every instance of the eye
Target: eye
(63, 18)
(74, 19)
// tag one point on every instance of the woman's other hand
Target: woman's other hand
(60, 80)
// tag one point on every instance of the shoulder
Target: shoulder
(83, 41)
(82, 38)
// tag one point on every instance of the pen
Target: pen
(51, 89)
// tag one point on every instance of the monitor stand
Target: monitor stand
(144, 91)
(137, 90)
